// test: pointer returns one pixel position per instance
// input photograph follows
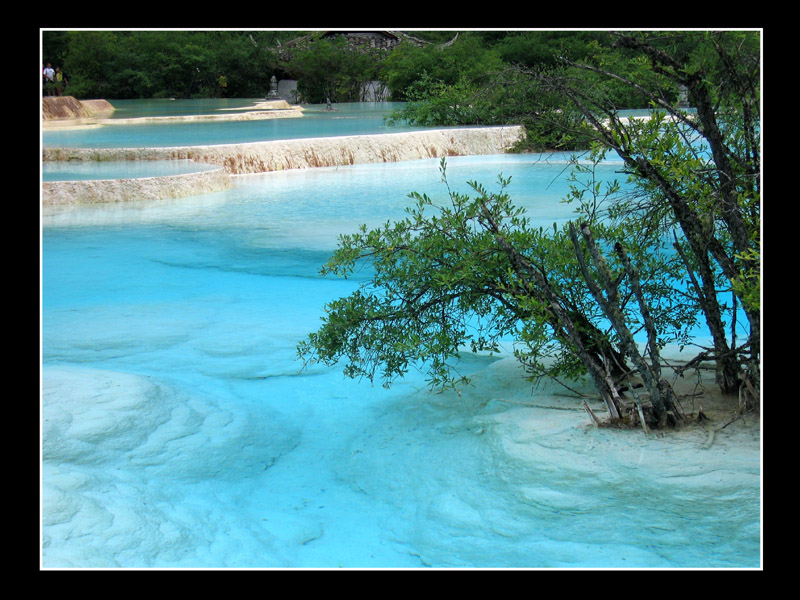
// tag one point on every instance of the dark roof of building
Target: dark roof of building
(397, 36)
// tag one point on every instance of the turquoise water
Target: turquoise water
(168, 107)
(181, 432)
(123, 169)
(346, 119)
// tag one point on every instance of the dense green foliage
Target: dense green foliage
(442, 282)
(183, 64)
(328, 69)
(163, 64)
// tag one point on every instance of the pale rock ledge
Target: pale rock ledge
(261, 157)
(97, 191)
(277, 155)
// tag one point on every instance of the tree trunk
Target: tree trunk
(610, 305)
(537, 284)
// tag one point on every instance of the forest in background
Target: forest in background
(189, 64)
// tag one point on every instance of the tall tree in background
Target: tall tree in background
(164, 64)
(328, 69)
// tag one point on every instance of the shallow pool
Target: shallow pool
(180, 430)
(121, 169)
(347, 119)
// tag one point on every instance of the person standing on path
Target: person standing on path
(49, 76)
(59, 80)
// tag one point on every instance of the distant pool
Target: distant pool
(122, 169)
(356, 118)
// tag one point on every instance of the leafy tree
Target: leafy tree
(86, 62)
(243, 59)
(328, 69)
(409, 68)
(156, 64)
(699, 172)
(54, 47)
(431, 102)
(541, 50)
(474, 271)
